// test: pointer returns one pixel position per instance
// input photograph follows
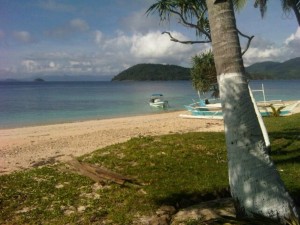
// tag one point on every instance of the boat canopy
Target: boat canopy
(157, 95)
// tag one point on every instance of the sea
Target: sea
(38, 103)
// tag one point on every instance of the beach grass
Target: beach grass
(176, 169)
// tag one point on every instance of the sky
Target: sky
(104, 37)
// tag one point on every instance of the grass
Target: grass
(175, 169)
(284, 135)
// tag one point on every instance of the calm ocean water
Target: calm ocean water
(33, 103)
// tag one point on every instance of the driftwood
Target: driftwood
(98, 174)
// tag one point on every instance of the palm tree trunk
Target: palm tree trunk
(254, 181)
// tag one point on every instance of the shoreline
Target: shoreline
(63, 121)
(31, 146)
(27, 147)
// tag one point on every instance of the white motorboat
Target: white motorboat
(157, 100)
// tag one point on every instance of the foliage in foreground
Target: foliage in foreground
(203, 72)
(176, 169)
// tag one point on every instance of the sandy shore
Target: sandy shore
(27, 147)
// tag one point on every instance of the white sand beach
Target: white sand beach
(22, 148)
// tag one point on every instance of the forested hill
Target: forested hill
(147, 72)
(264, 70)
(289, 69)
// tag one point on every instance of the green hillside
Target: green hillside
(274, 70)
(143, 72)
(264, 70)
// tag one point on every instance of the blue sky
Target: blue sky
(104, 37)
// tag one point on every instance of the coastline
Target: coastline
(26, 147)
(96, 118)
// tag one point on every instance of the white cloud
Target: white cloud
(117, 44)
(74, 63)
(98, 36)
(29, 65)
(262, 50)
(294, 36)
(294, 40)
(156, 45)
(52, 64)
(254, 55)
(151, 47)
(23, 36)
(79, 24)
(111, 55)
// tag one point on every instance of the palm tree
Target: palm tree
(287, 6)
(254, 181)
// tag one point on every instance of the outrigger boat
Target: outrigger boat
(204, 110)
(157, 100)
(271, 107)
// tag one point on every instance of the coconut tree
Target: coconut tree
(255, 184)
(254, 181)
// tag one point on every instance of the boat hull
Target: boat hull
(163, 104)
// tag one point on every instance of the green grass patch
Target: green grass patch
(175, 169)
(284, 135)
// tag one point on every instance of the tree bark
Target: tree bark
(255, 183)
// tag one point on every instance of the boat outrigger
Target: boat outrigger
(272, 107)
(157, 100)
(204, 110)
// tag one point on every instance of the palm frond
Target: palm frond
(163, 7)
(239, 4)
(191, 13)
(285, 5)
(262, 5)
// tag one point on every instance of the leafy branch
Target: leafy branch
(192, 14)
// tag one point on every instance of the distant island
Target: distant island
(259, 71)
(289, 69)
(148, 72)
(39, 80)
